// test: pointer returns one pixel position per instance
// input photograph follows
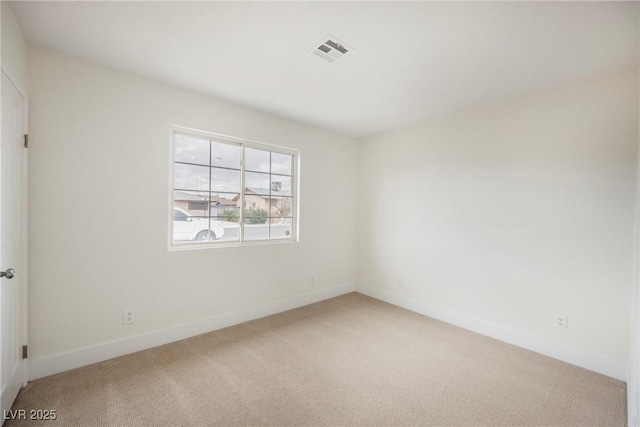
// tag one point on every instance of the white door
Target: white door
(13, 159)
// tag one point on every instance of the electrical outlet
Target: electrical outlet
(312, 280)
(129, 317)
(560, 321)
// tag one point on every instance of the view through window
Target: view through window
(231, 191)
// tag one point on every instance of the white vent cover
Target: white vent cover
(331, 49)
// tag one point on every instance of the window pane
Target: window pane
(281, 228)
(280, 207)
(231, 229)
(256, 183)
(225, 180)
(189, 177)
(217, 182)
(198, 206)
(191, 150)
(256, 231)
(256, 206)
(179, 215)
(256, 215)
(225, 155)
(280, 185)
(216, 231)
(256, 160)
(187, 227)
(226, 210)
(225, 205)
(204, 233)
(281, 163)
(193, 203)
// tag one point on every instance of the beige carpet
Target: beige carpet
(351, 360)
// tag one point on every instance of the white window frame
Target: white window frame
(295, 215)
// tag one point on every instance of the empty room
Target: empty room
(319, 213)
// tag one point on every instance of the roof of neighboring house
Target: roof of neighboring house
(183, 196)
(257, 191)
(188, 197)
(260, 192)
(253, 191)
(281, 193)
(223, 202)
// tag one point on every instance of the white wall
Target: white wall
(503, 215)
(98, 202)
(633, 380)
(499, 217)
(14, 49)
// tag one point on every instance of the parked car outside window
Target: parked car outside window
(187, 227)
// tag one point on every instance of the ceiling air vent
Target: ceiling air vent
(331, 49)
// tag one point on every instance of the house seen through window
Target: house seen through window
(233, 191)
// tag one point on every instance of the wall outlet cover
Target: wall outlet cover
(560, 321)
(129, 316)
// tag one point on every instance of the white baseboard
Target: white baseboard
(633, 377)
(49, 365)
(584, 359)
(633, 397)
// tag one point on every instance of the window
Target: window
(227, 190)
(179, 216)
(198, 206)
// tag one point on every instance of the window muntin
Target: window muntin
(248, 187)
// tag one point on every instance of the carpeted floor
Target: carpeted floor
(350, 360)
